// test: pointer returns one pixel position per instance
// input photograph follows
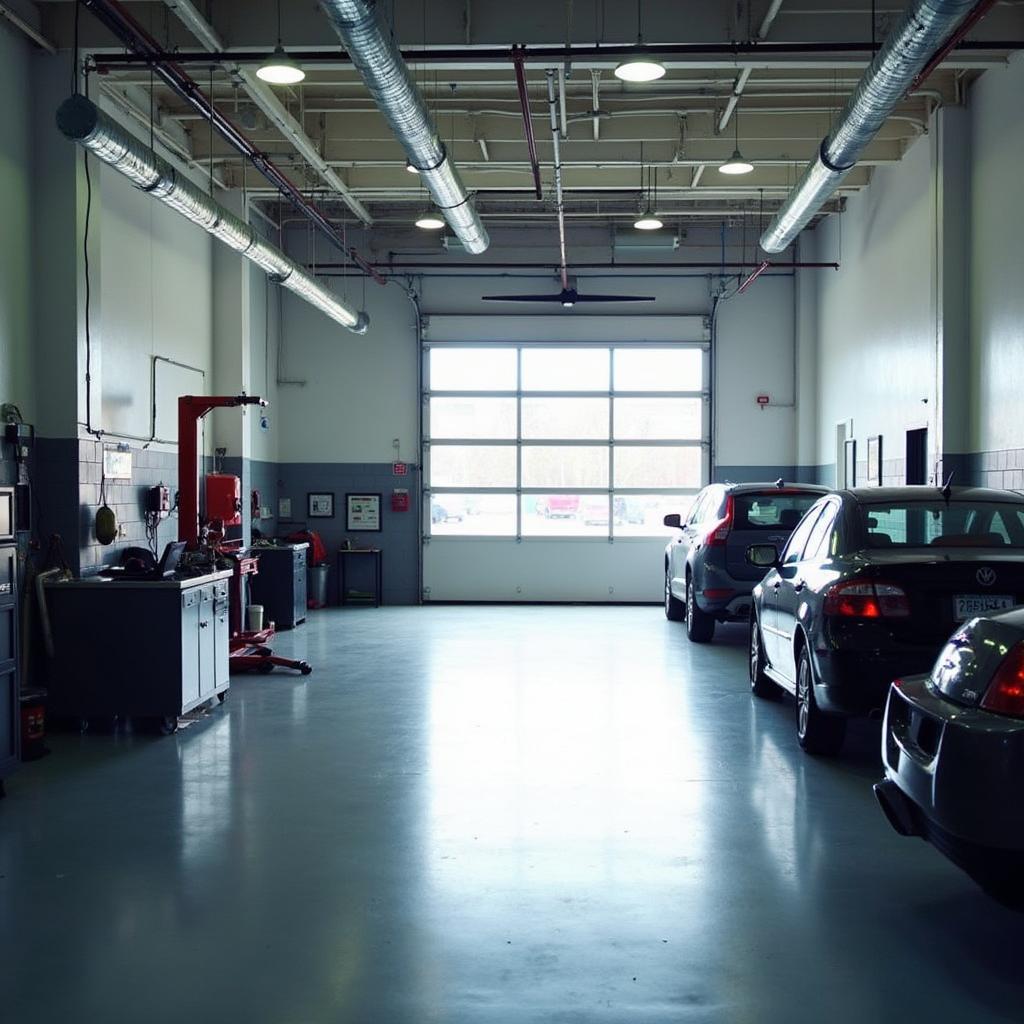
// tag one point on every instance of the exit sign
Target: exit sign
(399, 469)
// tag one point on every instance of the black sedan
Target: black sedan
(953, 750)
(868, 588)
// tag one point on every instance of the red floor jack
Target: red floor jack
(248, 650)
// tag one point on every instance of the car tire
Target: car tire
(700, 627)
(675, 610)
(760, 685)
(816, 731)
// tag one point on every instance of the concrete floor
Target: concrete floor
(491, 815)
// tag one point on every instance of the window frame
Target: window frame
(703, 443)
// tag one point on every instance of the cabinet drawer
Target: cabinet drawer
(189, 598)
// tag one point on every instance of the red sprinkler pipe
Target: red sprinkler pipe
(972, 19)
(753, 277)
(519, 62)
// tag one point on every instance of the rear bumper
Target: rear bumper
(852, 682)
(959, 768)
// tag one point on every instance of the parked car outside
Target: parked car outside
(707, 576)
(558, 506)
(594, 510)
(868, 588)
(953, 751)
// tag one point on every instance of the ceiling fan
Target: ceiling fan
(568, 296)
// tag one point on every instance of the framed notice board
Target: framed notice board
(362, 512)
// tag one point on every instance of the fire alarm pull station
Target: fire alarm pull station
(399, 500)
(763, 400)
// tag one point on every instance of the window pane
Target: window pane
(658, 467)
(565, 369)
(772, 511)
(565, 418)
(548, 466)
(565, 515)
(459, 465)
(658, 419)
(472, 369)
(659, 369)
(473, 417)
(473, 515)
(642, 515)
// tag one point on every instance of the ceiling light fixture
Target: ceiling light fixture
(640, 69)
(648, 221)
(429, 222)
(411, 168)
(279, 68)
(737, 163)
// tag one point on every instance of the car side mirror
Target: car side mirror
(763, 556)
(673, 520)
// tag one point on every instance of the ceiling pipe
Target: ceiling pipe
(376, 57)
(81, 121)
(7, 13)
(916, 36)
(536, 265)
(608, 56)
(595, 101)
(524, 100)
(263, 96)
(165, 67)
(559, 206)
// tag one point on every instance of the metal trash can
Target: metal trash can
(316, 586)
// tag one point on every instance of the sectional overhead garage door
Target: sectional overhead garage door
(553, 447)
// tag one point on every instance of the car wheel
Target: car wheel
(817, 732)
(675, 610)
(760, 685)
(700, 627)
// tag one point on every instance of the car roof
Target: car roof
(774, 485)
(924, 492)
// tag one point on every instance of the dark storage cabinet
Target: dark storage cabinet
(280, 585)
(10, 724)
(141, 649)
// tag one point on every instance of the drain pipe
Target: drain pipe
(560, 206)
(919, 33)
(379, 62)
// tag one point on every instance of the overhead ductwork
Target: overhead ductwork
(919, 33)
(378, 60)
(83, 122)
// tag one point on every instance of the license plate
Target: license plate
(966, 606)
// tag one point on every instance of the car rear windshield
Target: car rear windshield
(773, 510)
(964, 524)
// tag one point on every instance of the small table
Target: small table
(378, 577)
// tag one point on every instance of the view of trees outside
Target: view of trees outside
(628, 435)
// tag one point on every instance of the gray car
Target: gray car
(707, 576)
(953, 750)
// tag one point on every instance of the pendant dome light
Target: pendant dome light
(279, 68)
(429, 221)
(640, 69)
(648, 220)
(737, 163)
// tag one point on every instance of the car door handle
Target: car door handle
(799, 585)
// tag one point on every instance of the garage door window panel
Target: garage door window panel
(565, 515)
(659, 419)
(642, 515)
(565, 466)
(668, 467)
(472, 515)
(546, 419)
(472, 369)
(566, 369)
(472, 466)
(659, 369)
(466, 417)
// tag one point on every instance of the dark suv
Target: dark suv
(707, 576)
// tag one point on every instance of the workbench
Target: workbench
(145, 649)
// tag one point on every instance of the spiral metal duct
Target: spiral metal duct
(83, 122)
(920, 31)
(379, 62)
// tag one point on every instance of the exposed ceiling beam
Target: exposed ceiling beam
(263, 96)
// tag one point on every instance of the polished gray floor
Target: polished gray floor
(485, 814)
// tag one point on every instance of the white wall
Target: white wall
(876, 326)
(997, 258)
(15, 212)
(155, 299)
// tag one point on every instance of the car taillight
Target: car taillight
(1005, 694)
(863, 599)
(720, 532)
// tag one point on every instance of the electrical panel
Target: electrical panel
(158, 501)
